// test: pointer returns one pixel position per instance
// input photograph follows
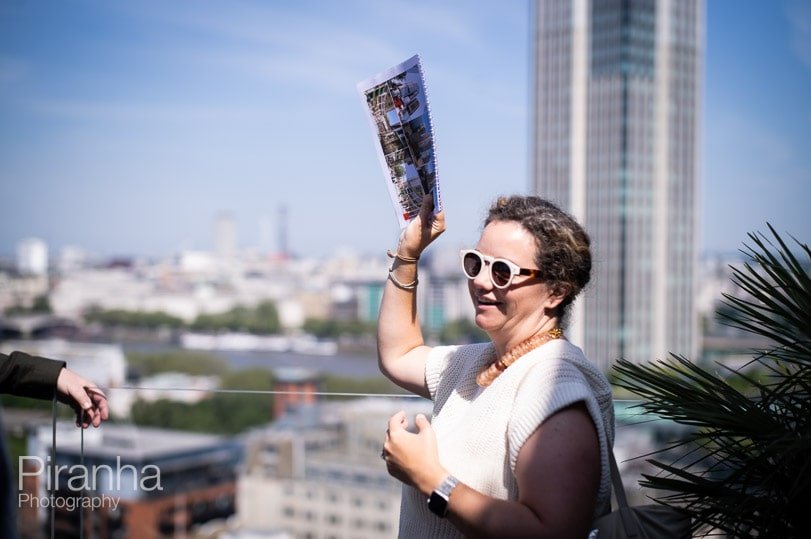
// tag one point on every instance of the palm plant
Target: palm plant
(745, 466)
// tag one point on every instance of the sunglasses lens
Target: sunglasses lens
(501, 273)
(472, 264)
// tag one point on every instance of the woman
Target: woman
(522, 425)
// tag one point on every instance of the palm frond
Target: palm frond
(745, 465)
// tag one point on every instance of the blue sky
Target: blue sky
(128, 127)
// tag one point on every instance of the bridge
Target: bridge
(37, 326)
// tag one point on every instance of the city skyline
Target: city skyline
(127, 129)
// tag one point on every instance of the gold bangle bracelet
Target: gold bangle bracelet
(403, 286)
(400, 257)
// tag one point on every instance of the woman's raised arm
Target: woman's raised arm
(401, 350)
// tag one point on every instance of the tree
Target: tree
(133, 319)
(185, 361)
(245, 401)
(41, 305)
(747, 464)
(262, 320)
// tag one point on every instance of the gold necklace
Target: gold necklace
(491, 372)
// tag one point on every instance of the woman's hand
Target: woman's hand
(412, 457)
(422, 230)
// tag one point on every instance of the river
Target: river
(340, 364)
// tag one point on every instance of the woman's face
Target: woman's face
(515, 313)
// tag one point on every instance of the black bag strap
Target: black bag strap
(629, 524)
(616, 481)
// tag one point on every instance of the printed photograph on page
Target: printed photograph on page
(397, 105)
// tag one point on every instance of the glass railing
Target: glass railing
(209, 462)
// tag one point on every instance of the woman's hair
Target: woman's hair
(562, 253)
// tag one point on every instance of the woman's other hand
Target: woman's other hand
(412, 457)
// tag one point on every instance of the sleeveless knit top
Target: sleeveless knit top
(480, 431)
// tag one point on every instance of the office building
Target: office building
(316, 471)
(615, 142)
(125, 481)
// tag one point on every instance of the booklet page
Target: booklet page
(397, 106)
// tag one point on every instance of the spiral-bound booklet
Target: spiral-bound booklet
(396, 103)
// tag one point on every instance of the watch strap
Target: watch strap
(439, 498)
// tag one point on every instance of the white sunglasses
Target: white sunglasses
(502, 270)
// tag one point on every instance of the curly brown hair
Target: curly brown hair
(563, 254)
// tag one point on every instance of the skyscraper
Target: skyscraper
(615, 134)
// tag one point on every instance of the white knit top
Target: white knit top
(480, 431)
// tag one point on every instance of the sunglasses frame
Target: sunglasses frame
(515, 269)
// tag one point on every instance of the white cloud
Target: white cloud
(335, 68)
(289, 48)
(292, 44)
(427, 19)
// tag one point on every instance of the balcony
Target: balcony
(201, 461)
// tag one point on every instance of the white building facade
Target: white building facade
(32, 257)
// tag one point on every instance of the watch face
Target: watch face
(438, 504)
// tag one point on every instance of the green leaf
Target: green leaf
(744, 466)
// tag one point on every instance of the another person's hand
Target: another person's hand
(412, 457)
(89, 402)
(422, 230)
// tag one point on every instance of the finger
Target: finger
(92, 402)
(82, 419)
(422, 422)
(426, 207)
(104, 410)
(95, 392)
(78, 392)
(100, 402)
(396, 422)
(81, 398)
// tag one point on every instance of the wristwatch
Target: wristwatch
(438, 500)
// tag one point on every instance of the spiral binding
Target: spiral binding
(437, 193)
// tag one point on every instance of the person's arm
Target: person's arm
(401, 350)
(558, 474)
(29, 376)
(38, 377)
